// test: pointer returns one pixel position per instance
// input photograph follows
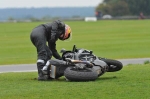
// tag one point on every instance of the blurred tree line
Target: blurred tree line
(124, 7)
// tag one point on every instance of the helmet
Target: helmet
(67, 34)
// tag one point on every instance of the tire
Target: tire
(73, 74)
(113, 65)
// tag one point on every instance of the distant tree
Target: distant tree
(124, 7)
(11, 19)
(138, 6)
(114, 7)
(34, 19)
(47, 17)
(120, 8)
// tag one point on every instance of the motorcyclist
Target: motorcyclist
(48, 32)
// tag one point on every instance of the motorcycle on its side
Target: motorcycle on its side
(81, 65)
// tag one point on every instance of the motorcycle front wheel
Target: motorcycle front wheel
(113, 65)
(74, 74)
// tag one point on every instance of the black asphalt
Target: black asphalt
(32, 67)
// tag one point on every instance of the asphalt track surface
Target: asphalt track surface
(33, 68)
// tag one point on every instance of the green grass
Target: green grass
(132, 82)
(115, 39)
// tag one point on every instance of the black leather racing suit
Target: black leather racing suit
(50, 33)
(42, 34)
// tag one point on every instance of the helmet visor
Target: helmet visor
(67, 34)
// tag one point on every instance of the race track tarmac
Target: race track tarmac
(32, 67)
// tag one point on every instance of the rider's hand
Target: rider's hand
(68, 63)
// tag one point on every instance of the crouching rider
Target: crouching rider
(48, 33)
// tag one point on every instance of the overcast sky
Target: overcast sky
(48, 3)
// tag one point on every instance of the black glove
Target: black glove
(60, 58)
(68, 63)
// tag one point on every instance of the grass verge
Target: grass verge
(132, 82)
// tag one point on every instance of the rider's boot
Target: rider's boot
(41, 76)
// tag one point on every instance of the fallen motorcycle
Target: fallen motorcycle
(81, 65)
